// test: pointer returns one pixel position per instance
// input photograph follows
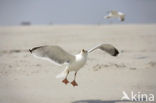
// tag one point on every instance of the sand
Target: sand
(25, 79)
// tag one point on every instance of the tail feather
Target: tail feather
(62, 74)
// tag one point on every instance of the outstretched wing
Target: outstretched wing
(114, 12)
(107, 48)
(53, 53)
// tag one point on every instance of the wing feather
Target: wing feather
(54, 53)
(107, 48)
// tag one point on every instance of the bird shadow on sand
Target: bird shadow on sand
(103, 101)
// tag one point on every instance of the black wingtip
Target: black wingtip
(116, 52)
(30, 50)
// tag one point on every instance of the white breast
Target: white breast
(79, 62)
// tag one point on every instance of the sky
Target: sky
(43, 12)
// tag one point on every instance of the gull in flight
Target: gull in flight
(59, 56)
(115, 14)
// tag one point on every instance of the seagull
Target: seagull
(115, 14)
(57, 55)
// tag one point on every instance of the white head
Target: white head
(84, 52)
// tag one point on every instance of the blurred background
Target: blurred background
(48, 12)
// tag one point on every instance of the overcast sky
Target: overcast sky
(13, 12)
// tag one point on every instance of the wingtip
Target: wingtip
(30, 51)
(116, 52)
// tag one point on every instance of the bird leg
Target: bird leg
(74, 82)
(65, 81)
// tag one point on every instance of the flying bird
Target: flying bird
(115, 14)
(59, 56)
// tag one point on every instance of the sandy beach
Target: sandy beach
(25, 79)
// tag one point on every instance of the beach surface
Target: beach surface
(25, 79)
